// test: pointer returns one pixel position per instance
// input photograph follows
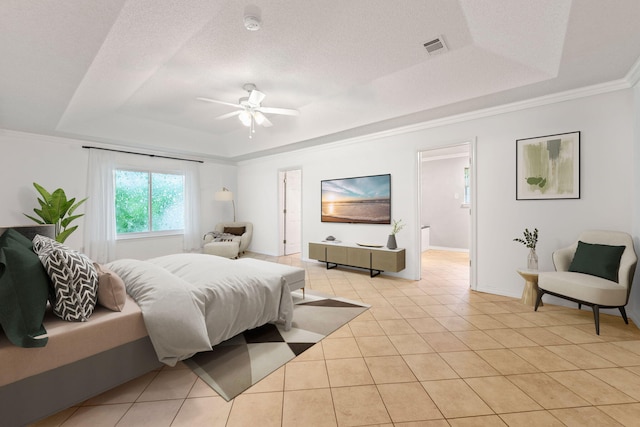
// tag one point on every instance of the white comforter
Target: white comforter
(191, 302)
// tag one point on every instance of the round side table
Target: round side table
(530, 291)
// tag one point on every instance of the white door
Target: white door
(290, 184)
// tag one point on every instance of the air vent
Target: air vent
(436, 46)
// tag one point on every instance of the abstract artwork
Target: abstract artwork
(548, 167)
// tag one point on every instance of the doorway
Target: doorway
(290, 211)
(446, 202)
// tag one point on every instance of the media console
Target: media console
(376, 260)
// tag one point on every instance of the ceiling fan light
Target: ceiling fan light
(259, 117)
(245, 118)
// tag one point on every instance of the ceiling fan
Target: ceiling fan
(250, 111)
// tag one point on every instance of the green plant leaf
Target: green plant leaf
(44, 193)
(48, 215)
(61, 237)
(34, 219)
(65, 222)
(65, 208)
(58, 201)
(74, 207)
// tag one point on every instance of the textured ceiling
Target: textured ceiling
(128, 72)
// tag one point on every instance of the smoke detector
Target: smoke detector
(251, 22)
(436, 46)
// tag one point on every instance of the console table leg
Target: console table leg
(332, 266)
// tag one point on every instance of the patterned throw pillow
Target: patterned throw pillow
(74, 278)
(217, 236)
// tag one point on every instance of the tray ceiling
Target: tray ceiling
(128, 72)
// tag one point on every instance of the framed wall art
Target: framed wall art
(548, 167)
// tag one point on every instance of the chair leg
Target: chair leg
(596, 317)
(624, 314)
(579, 306)
(538, 298)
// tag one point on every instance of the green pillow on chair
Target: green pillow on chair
(24, 288)
(597, 260)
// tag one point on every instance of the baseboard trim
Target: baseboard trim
(446, 248)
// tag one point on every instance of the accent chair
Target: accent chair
(234, 242)
(596, 271)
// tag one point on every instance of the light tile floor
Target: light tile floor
(429, 353)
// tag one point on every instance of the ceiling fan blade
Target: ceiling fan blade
(262, 120)
(231, 114)
(215, 101)
(256, 97)
(284, 111)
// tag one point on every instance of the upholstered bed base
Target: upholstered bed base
(80, 360)
(41, 395)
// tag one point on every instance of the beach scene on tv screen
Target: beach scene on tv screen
(357, 200)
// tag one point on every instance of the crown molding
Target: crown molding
(633, 76)
(464, 117)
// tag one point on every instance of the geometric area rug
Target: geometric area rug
(234, 365)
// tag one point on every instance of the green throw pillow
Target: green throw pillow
(24, 288)
(13, 237)
(597, 260)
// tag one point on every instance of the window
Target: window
(467, 189)
(148, 202)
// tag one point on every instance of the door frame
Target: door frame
(473, 229)
(282, 227)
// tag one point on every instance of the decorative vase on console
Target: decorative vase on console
(391, 241)
(532, 259)
(530, 240)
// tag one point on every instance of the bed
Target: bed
(84, 359)
(192, 302)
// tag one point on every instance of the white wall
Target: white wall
(62, 163)
(52, 163)
(634, 302)
(606, 125)
(442, 184)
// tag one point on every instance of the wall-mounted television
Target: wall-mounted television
(363, 199)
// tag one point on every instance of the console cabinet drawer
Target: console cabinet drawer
(372, 259)
(328, 253)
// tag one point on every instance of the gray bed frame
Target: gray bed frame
(39, 396)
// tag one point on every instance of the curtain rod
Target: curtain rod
(141, 154)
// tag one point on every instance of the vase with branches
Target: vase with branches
(391, 241)
(530, 240)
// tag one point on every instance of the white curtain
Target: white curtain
(100, 218)
(100, 213)
(192, 234)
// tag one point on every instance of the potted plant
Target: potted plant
(56, 209)
(530, 240)
(391, 241)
